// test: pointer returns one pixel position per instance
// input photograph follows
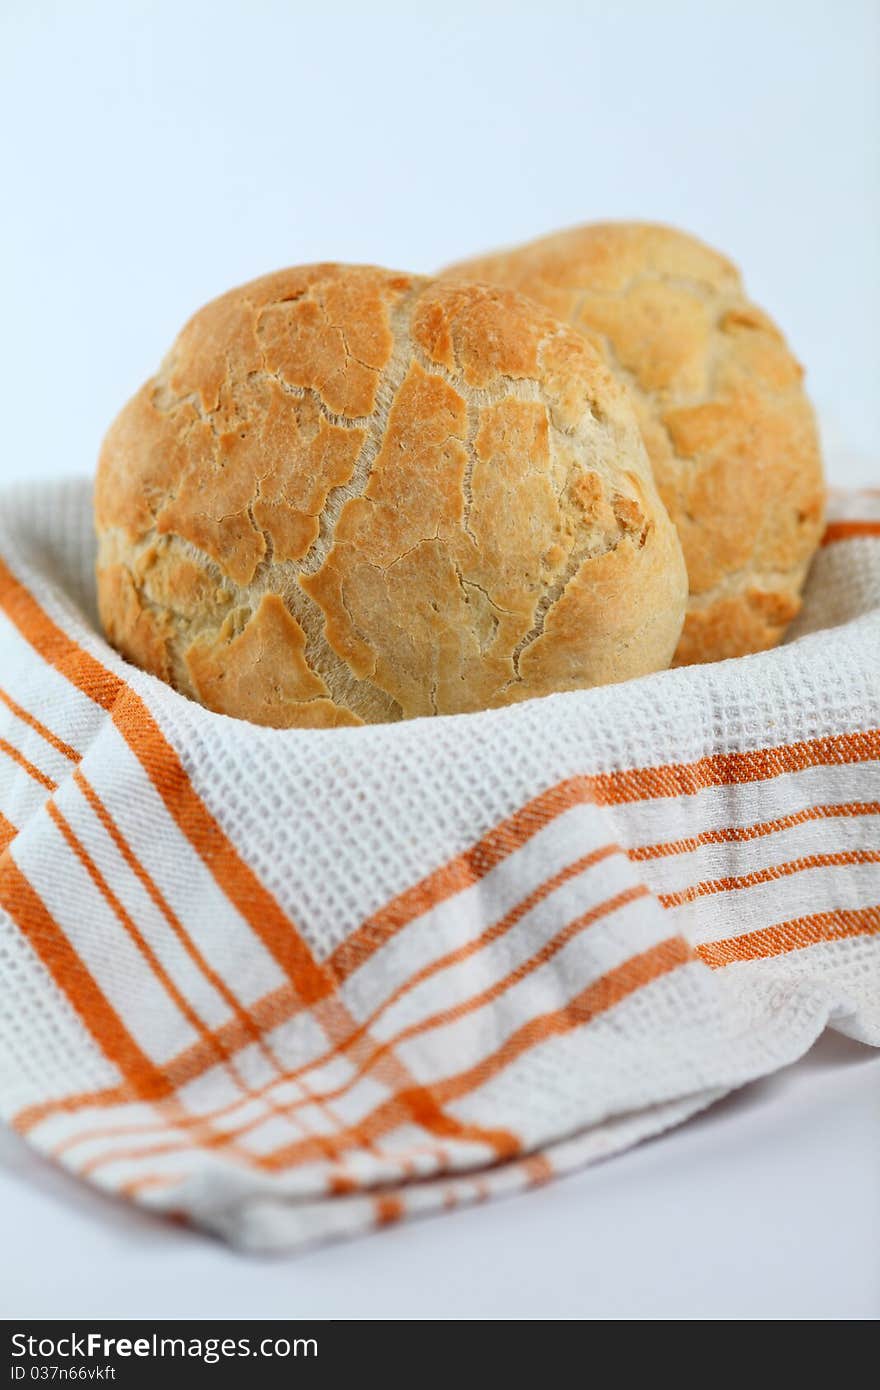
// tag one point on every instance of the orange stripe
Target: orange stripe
(249, 1027)
(792, 936)
(182, 1069)
(341, 1184)
(186, 1066)
(456, 875)
(143, 877)
(417, 1097)
(538, 1169)
(595, 999)
(232, 1036)
(213, 1042)
(33, 1115)
(424, 1109)
(850, 531)
(462, 953)
(8, 832)
(31, 720)
(455, 957)
(769, 875)
(605, 789)
(598, 997)
(253, 901)
(388, 1210)
(54, 645)
(148, 1183)
(164, 768)
(248, 1024)
(468, 1006)
(209, 1038)
(735, 769)
(337, 1022)
(147, 882)
(29, 911)
(492, 992)
(412, 1102)
(143, 946)
(29, 768)
(741, 834)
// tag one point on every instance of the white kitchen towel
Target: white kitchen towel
(296, 984)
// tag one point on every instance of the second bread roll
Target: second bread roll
(720, 399)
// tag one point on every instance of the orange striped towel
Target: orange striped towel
(294, 984)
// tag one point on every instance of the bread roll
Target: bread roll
(352, 495)
(727, 425)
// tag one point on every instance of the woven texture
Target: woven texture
(297, 984)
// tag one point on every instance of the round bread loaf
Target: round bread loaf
(728, 428)
(352, 495)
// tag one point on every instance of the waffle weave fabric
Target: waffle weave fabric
(296, 984)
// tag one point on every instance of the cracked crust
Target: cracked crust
(727, 425)
(351, 495)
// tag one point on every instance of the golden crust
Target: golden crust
(288, 693)
(728, 428)
(351, 495)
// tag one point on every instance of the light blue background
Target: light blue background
(156, 153)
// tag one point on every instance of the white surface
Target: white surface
(778, 1186)
(155, 154)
